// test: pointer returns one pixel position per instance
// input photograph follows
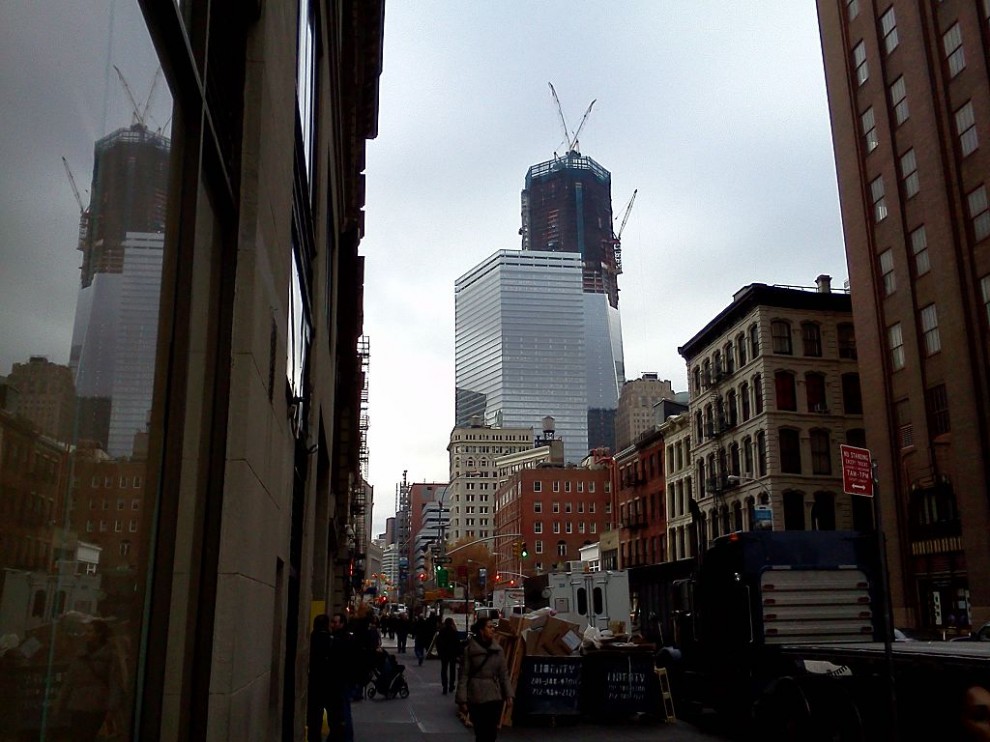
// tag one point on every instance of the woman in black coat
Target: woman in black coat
(449, 650)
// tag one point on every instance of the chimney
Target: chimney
(824, 284)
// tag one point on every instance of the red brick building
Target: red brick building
(640, 501)
(556, 510)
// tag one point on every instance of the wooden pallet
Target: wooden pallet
(514, 648)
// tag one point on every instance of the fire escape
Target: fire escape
(720, 420)
(359, 488)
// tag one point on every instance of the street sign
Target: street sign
(762, 518)
(443, 560)
(857, 470)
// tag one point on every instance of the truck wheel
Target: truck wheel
(784, 713)
(837, 717)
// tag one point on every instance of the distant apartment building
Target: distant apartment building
(774, 391)
(470, 498)
(556, 511)
(909, 100)
(426, 520)
(640, 499)
(679, 485)
(46, 396)
(635, 413)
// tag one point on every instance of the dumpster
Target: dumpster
(549, 686)
(617, 682)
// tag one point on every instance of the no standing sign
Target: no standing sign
(857, 470)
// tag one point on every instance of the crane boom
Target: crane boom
(573, 143)
(560, 112)
(625, 216)
(72, 182)
(138, 115)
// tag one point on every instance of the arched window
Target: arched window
(746, 405)
(761, 454)
(719, 368)
(701, 478)
(741, 349)
(734, 462)
(561, 548)
(780, 333)
(750, 512)
(852, 400)
(821, 452)
(847, 340)
(823, 512)
(794, 511)
(706, 373)
(758, 394)
(38, 605)
(726, 524)
(754, 340)
(811, 337)
(730, 361)
(814, 385)
(748, 456)
(789, 443)
(699, 430)
(737, 515)
(731, 408)
(786, 390)
(697, 380)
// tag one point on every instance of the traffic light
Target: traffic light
(516, 550)
(523, 551)
(443, 577)
(422, 576)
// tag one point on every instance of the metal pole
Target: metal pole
(888, 611)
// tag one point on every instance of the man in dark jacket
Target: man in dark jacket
(449, 650)
(332, 665)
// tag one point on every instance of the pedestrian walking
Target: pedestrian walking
(483, 688)
(449, 650)
(423, 630)
(401, 632)
(332, 664)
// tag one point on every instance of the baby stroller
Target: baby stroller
(388, 678)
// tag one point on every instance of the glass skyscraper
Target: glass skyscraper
(521, 344)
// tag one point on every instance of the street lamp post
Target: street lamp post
(766, 490)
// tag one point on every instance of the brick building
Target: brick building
(640, 493)
(909, 100)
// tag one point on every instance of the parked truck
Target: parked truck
(599, 599)
(784, 632)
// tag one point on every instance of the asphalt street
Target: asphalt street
(430, 716)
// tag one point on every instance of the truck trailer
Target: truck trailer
(784, 634)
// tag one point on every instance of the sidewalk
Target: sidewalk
(429, 716)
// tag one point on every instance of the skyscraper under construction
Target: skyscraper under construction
(567, 207)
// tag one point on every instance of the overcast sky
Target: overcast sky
(714, 111)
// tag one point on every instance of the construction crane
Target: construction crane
(140, 112)
(75, 188)
(617, 240)
(570, 140)
(83, 211)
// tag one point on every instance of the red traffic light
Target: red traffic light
(422, 576)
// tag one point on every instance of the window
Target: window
(898, 101)
(591, 507)
(538, 546)
(754, 340)
(823, 511)
(919, 247)
(538, 526)
(594, 527)
(591, 487)
(746, 404)
(120, 503)
(821, 452)
(567, 486)
(859, 63)
(761, 454)
(118, 526)
(556, 507)
(537, 486)
(895, 342)
(909, 174)
(811, 335)
(888, 27)
(561, 548)
(868, 125)
(556, 485)
(556, 526)
(966, 129)
(814, 385)
(985, 288)
(937, 402)
(979, 213)
(852, 398)
(758, 394)
(929, 329)
(567, 507)
(793, 511)
(748, 456)
(780, 331)
(580, 486)
(581, 527)
(537, 506)
(125, 548)
(785, 387)
(852, 9)
(580, 507)
(847, 340)
(954, 54)
(887, 270)
(741, 349)
(568, 527)
(879, 201)
(790, 450)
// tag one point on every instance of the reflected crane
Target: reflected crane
(140, 111)
(83, 211)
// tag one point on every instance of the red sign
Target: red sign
(857, 470)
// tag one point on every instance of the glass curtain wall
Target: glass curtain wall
(86, 142)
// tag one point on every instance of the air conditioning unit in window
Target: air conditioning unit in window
(821, 408)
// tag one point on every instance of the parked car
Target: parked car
(982, 634)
